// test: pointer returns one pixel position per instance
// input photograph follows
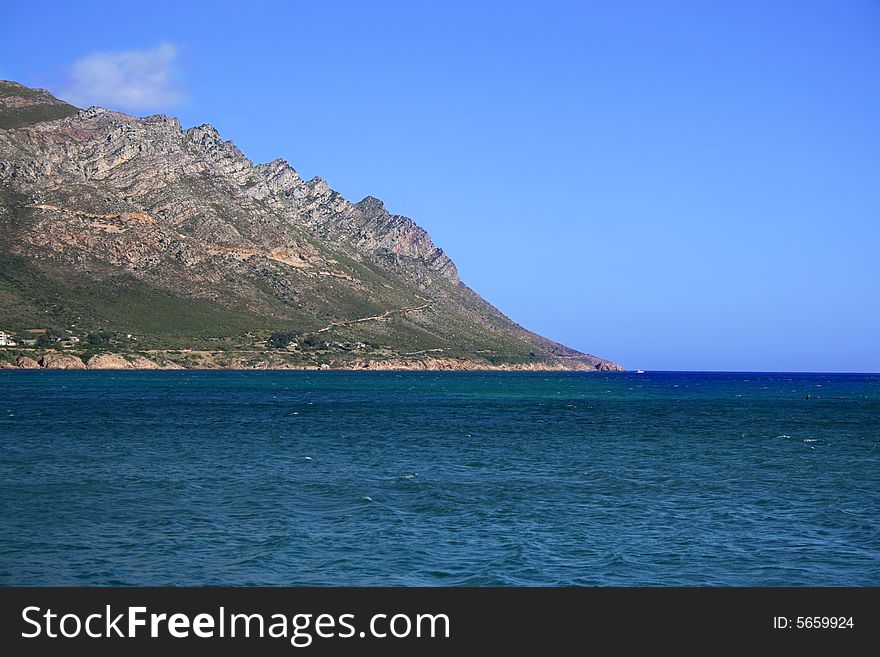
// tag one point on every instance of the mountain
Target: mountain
(133, 235)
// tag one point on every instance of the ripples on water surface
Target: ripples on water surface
(358, 478)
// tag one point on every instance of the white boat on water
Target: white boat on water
(640, 371)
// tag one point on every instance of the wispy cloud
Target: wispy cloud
(131, 80)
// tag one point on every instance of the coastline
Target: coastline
(247, 361)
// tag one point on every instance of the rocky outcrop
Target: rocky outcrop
(118, 362)
(107, 362)
(61, 362)
(464, 364)
(276, 361)
(608, 366)
(141, 363)
(381, 232)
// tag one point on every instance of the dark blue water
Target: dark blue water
(356, 478)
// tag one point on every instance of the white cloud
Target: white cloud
(131, 80)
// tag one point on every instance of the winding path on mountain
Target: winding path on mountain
(377, 318)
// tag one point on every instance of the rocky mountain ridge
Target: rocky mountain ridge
(138, 227)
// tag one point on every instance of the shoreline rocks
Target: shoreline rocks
(118, 362)
(114, 361)
(61, 362)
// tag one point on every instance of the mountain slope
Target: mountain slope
(133, 226)
(20, 105)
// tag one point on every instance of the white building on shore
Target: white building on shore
(6, 339)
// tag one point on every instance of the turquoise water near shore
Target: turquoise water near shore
(426, 478)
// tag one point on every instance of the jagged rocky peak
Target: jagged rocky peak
(319, 186)
(204, 133)
(225, 156)
(279, 175)
(157, 145)
(207, 137)
(171, 123)
(400, 236)
(371, 206)
(275, 182)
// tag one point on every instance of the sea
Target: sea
(439, 478)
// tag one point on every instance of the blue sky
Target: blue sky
(672, 185)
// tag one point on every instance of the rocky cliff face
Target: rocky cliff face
(174, 236)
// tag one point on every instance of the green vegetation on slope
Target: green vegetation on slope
(15, 118)
(31, 299)
(40, 106)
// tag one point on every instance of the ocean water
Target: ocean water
(385, 478)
